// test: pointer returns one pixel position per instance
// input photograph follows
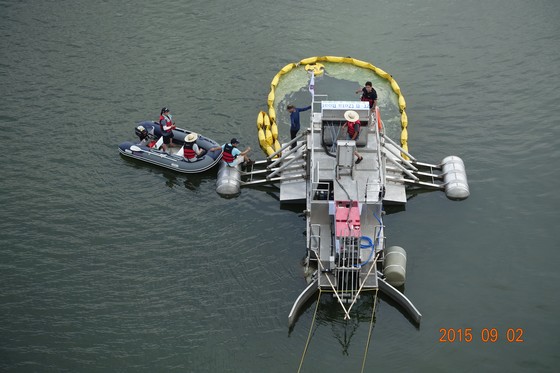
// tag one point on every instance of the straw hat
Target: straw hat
(351, 116)
(191, 137)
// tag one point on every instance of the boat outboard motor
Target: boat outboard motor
(141, 132)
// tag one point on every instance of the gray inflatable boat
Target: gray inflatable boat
(142, 150)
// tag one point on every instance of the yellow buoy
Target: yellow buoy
(260, 120)
(308, 61)
(275, 80)
(316, 68)
(334, 59)
(262, 138)
(402, 103)
(395, 86)
(269, 150)
(272, 114)
(364, 64)
(271, 98)
(274, 130)
(404, 136)
(287, 68)
(382, 73)
(404, 120)
(277, 145)
(268, 135)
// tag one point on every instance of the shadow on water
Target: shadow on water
(173, 179)
(273, 191)
(330, 313)
(395, 305)
(393, 209)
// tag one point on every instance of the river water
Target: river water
(111, 265)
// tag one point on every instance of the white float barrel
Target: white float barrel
(228, 182)
(395, 265)
(455, 178)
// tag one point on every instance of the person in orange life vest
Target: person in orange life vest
(166, 125)
(190, 150)
(353, 129)
(368, 94)
(233, 156)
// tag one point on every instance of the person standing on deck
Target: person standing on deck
(166, 126)
(368, 94)
(353, 128)
(294, 120)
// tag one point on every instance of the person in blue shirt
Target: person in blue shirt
(233, 156)
(294, 120)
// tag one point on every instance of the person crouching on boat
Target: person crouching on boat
(233, 156)
(368, 94)
(190, 150)
(166, 126)
(353, 128)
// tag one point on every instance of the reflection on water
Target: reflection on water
(329, 313)
(173, 179)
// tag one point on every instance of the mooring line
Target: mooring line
(310, 331)
(363, 283)
(370, 330)
(347, 316)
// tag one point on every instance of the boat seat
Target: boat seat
(345, 157)
(333, 131)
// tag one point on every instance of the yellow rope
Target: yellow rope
(310, 330)
(370, 330)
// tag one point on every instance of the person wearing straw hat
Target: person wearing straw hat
(190, 149)
(353, 129)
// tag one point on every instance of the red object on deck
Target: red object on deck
(347, 219)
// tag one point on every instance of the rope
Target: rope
(313, 323)
(335, 292)
(363, 283)
(309, 335)
(370, 330)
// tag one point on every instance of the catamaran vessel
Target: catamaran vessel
(345, 199)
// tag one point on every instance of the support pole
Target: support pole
(402, 168)
(408, 163)
(398, 146)
(278, 160)
(283, 167)
(301, 135)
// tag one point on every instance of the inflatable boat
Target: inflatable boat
(146, 149)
